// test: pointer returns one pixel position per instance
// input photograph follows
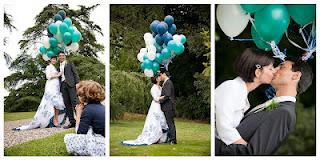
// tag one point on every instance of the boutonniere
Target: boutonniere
(271, 105)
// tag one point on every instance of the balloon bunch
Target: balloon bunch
(61, 36)
(161, 46)
(269, 24)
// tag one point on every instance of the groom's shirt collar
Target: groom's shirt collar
(285, 99)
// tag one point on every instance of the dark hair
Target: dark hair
(53, 57)
(154, 80)
(306, 73)
(246, 63)
(163, 70)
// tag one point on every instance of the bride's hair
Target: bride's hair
(154, 80)
(90, 91)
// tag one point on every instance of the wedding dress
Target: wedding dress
(52, 98)
(155, 127)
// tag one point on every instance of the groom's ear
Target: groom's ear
(296, 76)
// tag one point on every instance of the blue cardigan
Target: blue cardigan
(93, 115)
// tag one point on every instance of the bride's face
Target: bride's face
(53, 60)
(158, 79)
(267, 73)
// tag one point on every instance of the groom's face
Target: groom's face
(284, 75)
(61, 57)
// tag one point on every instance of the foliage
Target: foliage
(8, 25)
(49, 146)
(17, 115)
(193, 139)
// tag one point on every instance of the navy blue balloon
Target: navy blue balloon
(49, 33)
(154, 34)
(57, 17)
(162, 28)
(153, 26)
(169, 20)
(167, 37)
(62, 13)
(172, 29)
(159, 39)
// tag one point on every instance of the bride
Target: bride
(155, 127)
(51, 109)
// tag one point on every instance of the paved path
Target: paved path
(12, 138)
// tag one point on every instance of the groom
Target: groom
(264, 128)
(167, 102)
(69, 79)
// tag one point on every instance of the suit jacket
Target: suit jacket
(168, 103)
(264, 131)
(71, 74)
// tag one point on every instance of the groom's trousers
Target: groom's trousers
(264, 131)
(70, 100)
(172, 128)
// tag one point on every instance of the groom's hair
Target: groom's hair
(163, 70)
(306, 73)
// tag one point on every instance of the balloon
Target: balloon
(62, 13)
(45, 57)
(63, 27)
(55, 50)
(152, 49)
(68, 22)
(169, 20)
(53, 28)
(145, 57)
(58, 36)
(140, 56)
(142, 66)
(50, 54)
(172, 29)
(232, 19)
(183, 39)
(272, 21)
(260, 43)
(179, 48)
(46, 42)
(58, 23)
(151, 56)
(166, 53)
(143, 50)
(148, 72)
(48, 33)
(76, 36)
(302, 13)
(53, 42)
(162, 28)
(155, 67)
(42, 49)
(57, 17)
(74, 47)
(177, 38)
(147, 63)
(252, 8)
(153, 26)
(167, 37)
(148, 38)
(159, 39)
(158, 58)
(71, 29)
(172, 45)
(66, 38)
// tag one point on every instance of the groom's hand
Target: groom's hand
(240, 141)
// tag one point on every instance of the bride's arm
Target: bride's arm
(154, 94)
(51, 74)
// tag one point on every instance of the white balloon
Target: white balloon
(58, 36)
(140, 56)
(46, 42)
(177, 38)
(232, 19)
(148, 37)
(143, 50)
(45, 57)
(58, 23)
(74, 47)
(151, 56)
(152, 49)
(148, 72)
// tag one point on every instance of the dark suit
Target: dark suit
(264, 131)
(68, 89)
(168, 107)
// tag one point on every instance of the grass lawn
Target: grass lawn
(49, 146)
(13, 116)
(193, 139)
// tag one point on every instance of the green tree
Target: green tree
(8, 25)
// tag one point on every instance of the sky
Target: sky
(24, 19)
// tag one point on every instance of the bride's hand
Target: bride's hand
(79, 107)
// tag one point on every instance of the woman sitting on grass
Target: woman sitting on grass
(90, 121)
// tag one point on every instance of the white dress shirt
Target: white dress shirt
(62, 65)
(231, 102)
(279, 99)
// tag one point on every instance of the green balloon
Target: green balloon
(68, 22)
(66, 38)
(53, 42)
(71, 29)
(272, 21)
(179, 48)
(42, 49)
(50, 54)
(147, 64)
(76, 36)
(63, 27)
(53, 28)
(302, 13)
(252, 8)
(155, 67)
(142, 66)
(183, 39)
(158, 58)
(260, 43)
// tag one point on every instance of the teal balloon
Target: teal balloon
(76, 36)
(183, 39)
(145, 57)
(56, 51)
(42, 49)
(165, 53)
(158, 58)
(71, 29)
(252, 8)
(53, 42)
(57, 17)
(155, 67)
(142, 66)
(68, 21)
(63, 27)
(171, 45)
(179, 49)
(302, 13)
(260, 43)
(272, 21)
(53, 28)
(62, 13)
(50, 54)
(66, 38)
(147, 64)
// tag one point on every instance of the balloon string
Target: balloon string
(241, 39)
